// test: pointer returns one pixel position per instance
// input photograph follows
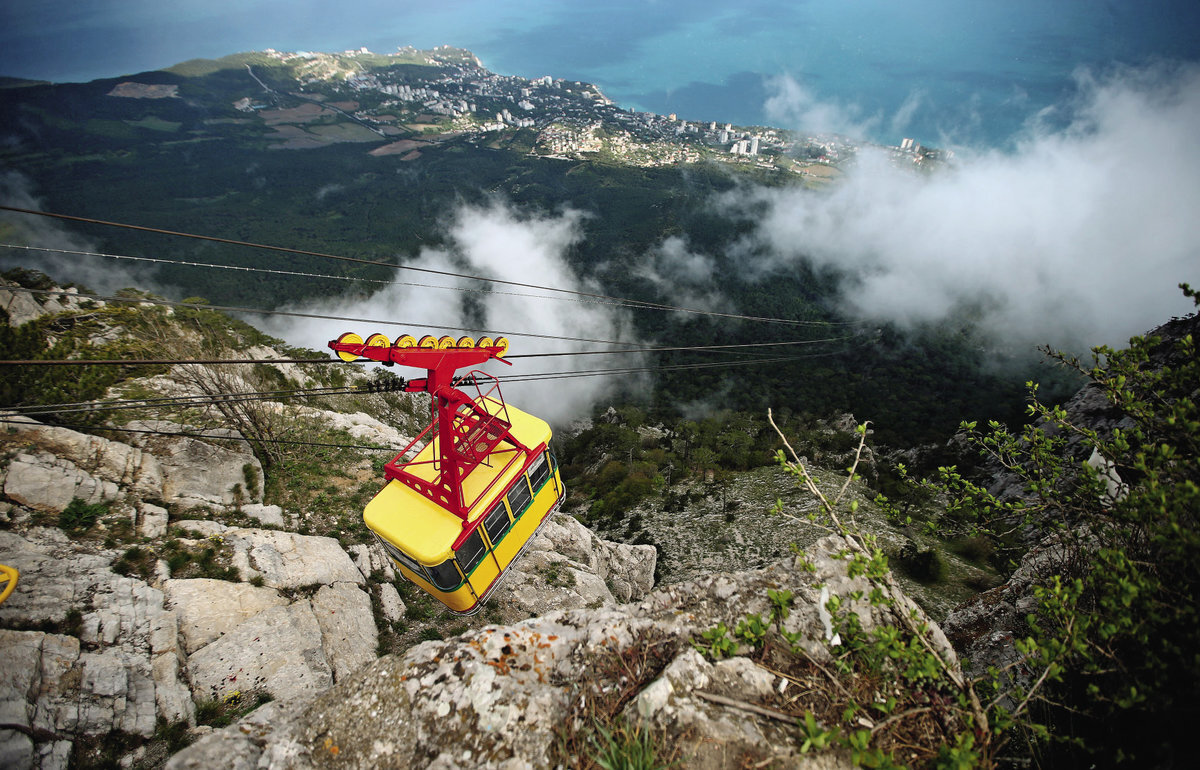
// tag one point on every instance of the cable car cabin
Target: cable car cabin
(460, 562)
(468, 494)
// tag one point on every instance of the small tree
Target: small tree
(1116, 637)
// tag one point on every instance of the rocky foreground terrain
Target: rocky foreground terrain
(166, 615)
(87, 653)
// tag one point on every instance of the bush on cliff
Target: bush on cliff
(1115, 639)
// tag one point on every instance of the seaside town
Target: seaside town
(423, 98)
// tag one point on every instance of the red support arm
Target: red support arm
(466, 431)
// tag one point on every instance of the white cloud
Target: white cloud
(793, 105)
(685, 278)
(904, 115)
(496, 241)
(97, 273)
(1076, 238)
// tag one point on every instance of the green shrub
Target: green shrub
(79, 516)
(135, 561)
(1116, 627)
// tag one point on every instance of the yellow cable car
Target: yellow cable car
(466, 497)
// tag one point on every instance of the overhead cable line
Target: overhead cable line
(160, 361)
(352, 278)
(215, 361)
(295, 314)
(204, 399)
(431, 271)
(537, 377)
(189, 434)
(214, 399)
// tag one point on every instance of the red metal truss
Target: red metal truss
(467, 429)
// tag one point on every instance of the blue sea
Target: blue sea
(947, 72)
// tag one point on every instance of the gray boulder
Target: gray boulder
(208, 609)
(289, 560)
(201, 473)
(278, 651)
(60, 464)
(567, 567)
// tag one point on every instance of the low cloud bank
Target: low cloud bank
(498, 242)
(97, 273)
(1077, 238)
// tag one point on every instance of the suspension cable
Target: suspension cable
(352, 278)
(235, 309)
(189, 434)
(204, 399)
(380, 263)
(216, 399)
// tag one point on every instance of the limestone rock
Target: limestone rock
(985, 629)
(393, 605)
(67, 463)
(567, 566)
(153, 523)
(208, 609)
(370, 558)
(118, 668)
(279, 650)
(362, 427)
(16, 749)
(201, 528)
(197, 472)
(289, 560)
(21, 308)
(44, 482)
(237, 747)
(271, 515)
(348, 633)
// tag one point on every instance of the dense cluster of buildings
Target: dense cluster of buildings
(571, 119)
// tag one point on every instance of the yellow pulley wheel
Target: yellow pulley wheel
(465, 342)
(445, 343)
(349, 338)
(502, 343)
(485, 342)
(406, 341)
(378, 340)
(428, 341)
(8, 581)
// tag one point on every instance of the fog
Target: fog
(684, 277)
(1079, 237)
(97, 273)
(494, 241)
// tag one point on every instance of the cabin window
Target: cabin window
(445, 576)
(470, 553)
(539, 472)
(519, 497)
(497, 523)
(399, 555)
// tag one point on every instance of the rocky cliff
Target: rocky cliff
(86, 652)
(159, 596)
